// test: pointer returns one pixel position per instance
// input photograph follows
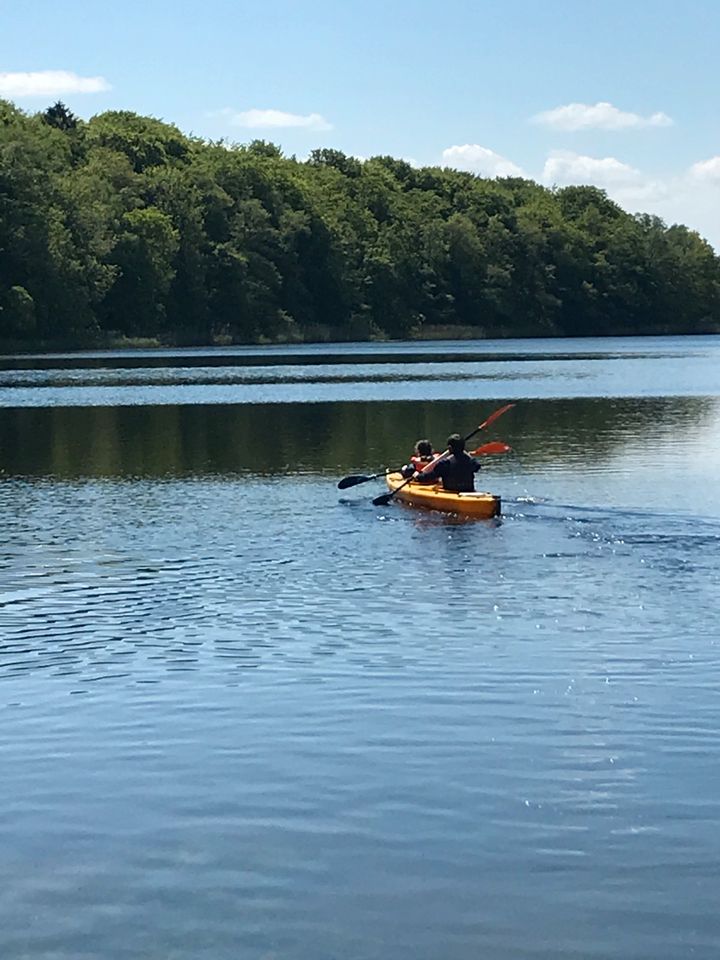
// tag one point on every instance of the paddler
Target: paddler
(456, 470)
(422, 456)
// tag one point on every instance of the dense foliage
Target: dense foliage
(123, 227)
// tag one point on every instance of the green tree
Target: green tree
(145, 141)
(143, 254)
(60, 117)
(125, 225)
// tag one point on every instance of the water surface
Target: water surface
(444, 370)
(245, 714)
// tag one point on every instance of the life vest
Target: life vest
(419, 462)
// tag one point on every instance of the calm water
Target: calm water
(247, 715)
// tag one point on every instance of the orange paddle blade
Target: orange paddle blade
(494, 446)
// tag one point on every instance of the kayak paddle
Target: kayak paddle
(385, 498)
(495, 446)
(355, 478)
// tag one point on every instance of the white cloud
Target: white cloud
(626, 185)
(691, 198)
(49, 83)
(481, 160)
(566, 167)
(706, 170)
(692, 201)
(275, 119)
(600, 116)
(638, 195)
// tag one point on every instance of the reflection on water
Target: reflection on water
(245, 714)
(334, 438)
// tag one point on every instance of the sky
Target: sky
(623, 95)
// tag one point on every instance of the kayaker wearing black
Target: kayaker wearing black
(457, 471)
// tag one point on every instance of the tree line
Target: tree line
(122, 228)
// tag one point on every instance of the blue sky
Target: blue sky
(621, 94)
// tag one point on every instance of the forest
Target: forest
(123, 230)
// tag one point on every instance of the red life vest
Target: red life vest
(419, 462)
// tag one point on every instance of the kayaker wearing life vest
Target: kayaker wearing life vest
(457, 471)
(422, 456)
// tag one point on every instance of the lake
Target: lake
(248, 715)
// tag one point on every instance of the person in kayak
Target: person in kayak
(422, 456)
(457, 470)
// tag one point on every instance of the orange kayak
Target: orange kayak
(434, 497)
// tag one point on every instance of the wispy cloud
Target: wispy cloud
(694, 202)
(481, 160)
(274, 119)
(600, 116)
(49, 83)
(642, 194)
(692, 197)
(707, 170)
(628, 186)
(566, 167)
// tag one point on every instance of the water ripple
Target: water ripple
(242, 717)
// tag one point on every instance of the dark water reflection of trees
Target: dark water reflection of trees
(316, 437)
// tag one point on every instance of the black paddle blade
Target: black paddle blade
(383, 500)
(353, 481)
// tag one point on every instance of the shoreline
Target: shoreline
(428, 334)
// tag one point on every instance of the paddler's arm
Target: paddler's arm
(431, 475)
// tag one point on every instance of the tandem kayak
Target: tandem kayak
(435, 497)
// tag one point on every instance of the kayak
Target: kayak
(435, 497)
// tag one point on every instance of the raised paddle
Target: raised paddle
(385, 498)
